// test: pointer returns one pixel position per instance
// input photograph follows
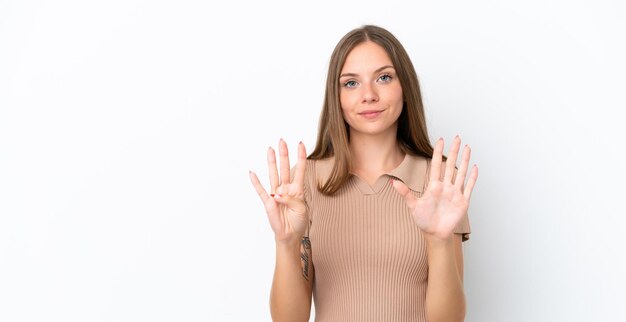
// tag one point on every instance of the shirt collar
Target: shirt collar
(413, 171)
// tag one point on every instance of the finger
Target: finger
(460, 175)
(273, 171)
(301, 165)
(470, 183)
(284, 162)
(403, 190)
(451, 162)
(435, 164)
(291, 203)
(258, 187)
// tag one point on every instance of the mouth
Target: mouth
(370, 113)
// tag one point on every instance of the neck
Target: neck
(375, 153)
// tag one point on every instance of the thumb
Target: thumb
(403, 190)
(292, 203)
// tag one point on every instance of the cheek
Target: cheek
(397, 93)
(344, 100)
(345, 109)
(347, 117)
(347, 106)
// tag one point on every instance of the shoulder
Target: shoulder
(317, 171)
(415, 171)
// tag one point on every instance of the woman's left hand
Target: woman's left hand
(444, 203)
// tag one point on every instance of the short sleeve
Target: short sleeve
(463, 228)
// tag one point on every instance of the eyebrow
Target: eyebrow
(376, 71)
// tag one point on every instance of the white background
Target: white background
(127, 129)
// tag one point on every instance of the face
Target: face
(370, 92)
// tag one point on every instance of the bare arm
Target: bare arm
(445, 299)
(437, 213)
(290, 299)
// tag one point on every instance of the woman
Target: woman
(370, 224)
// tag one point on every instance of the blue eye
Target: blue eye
(385, 78)
(350, 84)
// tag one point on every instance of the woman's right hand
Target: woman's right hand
(285, 206)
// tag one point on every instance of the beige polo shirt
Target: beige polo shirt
(368, 254)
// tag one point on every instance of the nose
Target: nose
(370, 94)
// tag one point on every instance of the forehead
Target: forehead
(366, 57)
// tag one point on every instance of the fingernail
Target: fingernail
(276, 195)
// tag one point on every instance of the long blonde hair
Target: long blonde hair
(333, 133)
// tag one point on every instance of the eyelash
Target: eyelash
(386, 75)
(381, 76)
(348, 82)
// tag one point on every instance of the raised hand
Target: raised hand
(445, 202)
(285, 206)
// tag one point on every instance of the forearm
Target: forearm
(445, 299)
(290, 298)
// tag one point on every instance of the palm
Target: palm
(287, 220)
(440, 209)
(285, 207)
(446, 200)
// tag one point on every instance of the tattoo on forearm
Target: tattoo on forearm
(305, 256)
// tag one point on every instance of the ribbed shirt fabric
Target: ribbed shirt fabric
(368, 254)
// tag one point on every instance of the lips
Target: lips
(370, 111)
(371, 114)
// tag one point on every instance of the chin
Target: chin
(372, 131)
